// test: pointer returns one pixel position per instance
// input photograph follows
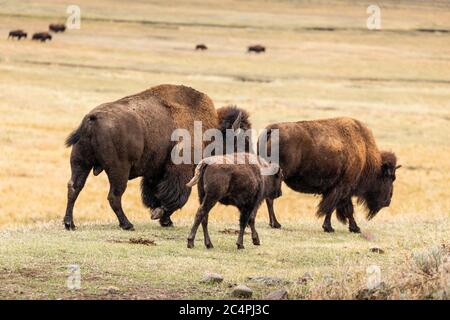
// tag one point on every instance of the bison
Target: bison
(42, 36)
(19, 34)
(337, 159)
(201, 47)
(131, 138)
(256, 48)
(57, 27)
(235, 179)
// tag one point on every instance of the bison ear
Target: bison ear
(386, 170)
(237, 123)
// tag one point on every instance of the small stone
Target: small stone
(242, 291)
(307, 277)
(112, 289)
(212, 278)
(281, 294)
(377, 250)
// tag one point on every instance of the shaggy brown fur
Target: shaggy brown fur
(338, 159)
(57, 27)
(131, 138)
(222, 179)
(19, 34)
(42, 36)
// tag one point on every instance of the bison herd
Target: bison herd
(38, 36)
(255, 48)
(337, 159)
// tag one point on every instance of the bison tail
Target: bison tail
(198, 172)
(73, 137)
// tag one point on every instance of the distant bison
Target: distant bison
(235, 179)
(257, 49)
(132, 137)
(19, 34)
(57, 27)
(338, 159)
(42, 36)
(201, 47)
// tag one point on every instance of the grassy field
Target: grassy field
(396, 80)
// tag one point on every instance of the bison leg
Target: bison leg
(326, 208)
(74, 186)
(208, 243)
(345, 209)
(207, 204)
(273, 219)
(243, 222)
(118, 179)
(255, 237)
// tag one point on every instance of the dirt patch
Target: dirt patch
(145, 242)
(231, 231)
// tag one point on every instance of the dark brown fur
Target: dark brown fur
(338, 159)
(19, 34)
(42, 36)
(201, 47)
(131, 138)
(57, 27)
(257, 48)
(239, 185)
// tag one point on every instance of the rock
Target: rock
(307, 277)
(212, 278)
(281, 294)
(377, 250)
(112, 289)
(270, 281)
(242, 291)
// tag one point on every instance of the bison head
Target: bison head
(381, 188)
(236, 119)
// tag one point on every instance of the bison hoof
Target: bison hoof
(355, 229)
(256, 242)
(240, 246)
(209, 245)
(328, 229)
(128, 227)
(190, 244)
(69, 226)
(166, 222)
(157, 213)
(275, 225)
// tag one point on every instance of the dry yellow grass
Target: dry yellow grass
(395, 80)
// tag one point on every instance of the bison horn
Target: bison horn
(397, 167)
(237, 123)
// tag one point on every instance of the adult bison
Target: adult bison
(57, 27)
(256, 49)
(201, 47)
(19, 34)
(338, 159)
(131, 138)
(42, 36)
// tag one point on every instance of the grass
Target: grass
(396, 80)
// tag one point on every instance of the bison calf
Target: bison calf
(57, 27)
(42, 36)
(256, 48)
(240, 179)
(201, 47)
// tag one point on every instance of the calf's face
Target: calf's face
(272, 184)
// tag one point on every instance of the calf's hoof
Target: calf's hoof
(127, 226)
(69, 225)
(355, 229)
(328, 229)
(166, 222)
(190, 244)
(256, 241)
(275, 225)
(240, 246)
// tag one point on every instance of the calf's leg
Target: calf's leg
(255, 237)
(208, 243)
(207, 204)
(273, 219)
(243, 222)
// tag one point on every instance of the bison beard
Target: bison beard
(131, 138)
